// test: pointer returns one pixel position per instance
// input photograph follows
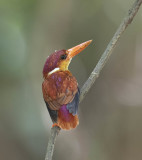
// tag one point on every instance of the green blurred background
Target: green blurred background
(111, 113)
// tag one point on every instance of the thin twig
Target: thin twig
(105, 56)
(95, 73)
(51, 142)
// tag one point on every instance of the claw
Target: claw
(55, 124)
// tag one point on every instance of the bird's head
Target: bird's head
(60, 60)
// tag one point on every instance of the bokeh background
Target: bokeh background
(111, 113)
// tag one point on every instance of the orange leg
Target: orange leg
(55, 124)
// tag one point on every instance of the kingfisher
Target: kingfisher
(60, 88)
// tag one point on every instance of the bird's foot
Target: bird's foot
(55, 124)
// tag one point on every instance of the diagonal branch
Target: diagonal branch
(105, 56)
(95, 73)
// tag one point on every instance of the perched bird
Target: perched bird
(60, 87)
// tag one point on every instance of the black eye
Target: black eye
(64, 56)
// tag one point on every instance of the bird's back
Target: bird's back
(59, 92)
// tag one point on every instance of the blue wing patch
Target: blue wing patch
(73, 106)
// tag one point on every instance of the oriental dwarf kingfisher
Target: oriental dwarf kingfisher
(60, 88)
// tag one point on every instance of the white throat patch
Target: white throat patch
(54, 70)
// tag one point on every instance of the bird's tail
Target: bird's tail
(66, 120)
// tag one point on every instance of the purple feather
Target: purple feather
(65, 112)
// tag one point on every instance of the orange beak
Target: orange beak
(77, 49)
